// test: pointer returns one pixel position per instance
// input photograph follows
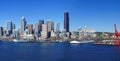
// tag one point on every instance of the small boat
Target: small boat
(17, 40)
(74, 42)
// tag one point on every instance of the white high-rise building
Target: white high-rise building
(57, 27)
(23, 25)
(44, 33)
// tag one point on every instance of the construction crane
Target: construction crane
(116, 39)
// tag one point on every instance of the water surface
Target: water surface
(10, 51)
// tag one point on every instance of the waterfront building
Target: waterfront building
(74, 34)
(87, 33)
(66, 21)
(81, 34)
(53, 34)
(57, 34)
(63, 34)
(15, 33)
(27, 35)
(44, 33)
(68, 34)
(26, 32)
(30, 28)
(1, 31)
(23, 25)
(104, 35)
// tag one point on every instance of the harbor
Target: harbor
(57, 51)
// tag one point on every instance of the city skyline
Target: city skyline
(10, 26)
(100, 15)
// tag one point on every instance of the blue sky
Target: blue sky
(100, 15)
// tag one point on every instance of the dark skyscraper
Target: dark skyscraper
(66, 21)
(1, 31)
(13, 26)
(40, 23)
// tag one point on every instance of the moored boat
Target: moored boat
(21, 40)
(75, 42)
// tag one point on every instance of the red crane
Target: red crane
(116, 39)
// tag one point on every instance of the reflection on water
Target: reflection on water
(57, 52)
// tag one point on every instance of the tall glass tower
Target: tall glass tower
(8, 27)
(23, 25)
(57, 27)
(66, 21)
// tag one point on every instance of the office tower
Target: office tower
(50, 25)
(66, 21)
(1, 31)
(40, 24)
(9, 25)
(30, 28)
(57, 30)
(44, 33)
(23, 25)
(57, 27)
(8, 28)
(36, 29)
(13, 26)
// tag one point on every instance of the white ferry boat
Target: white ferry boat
(75, 42)
(84, 41)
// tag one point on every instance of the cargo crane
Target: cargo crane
(116, 39)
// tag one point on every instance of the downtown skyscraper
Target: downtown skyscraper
(23, 25)
(8, 27)
(57, 27)
(36, 29)
(66, 21)
(50, 27)
(40, 24)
